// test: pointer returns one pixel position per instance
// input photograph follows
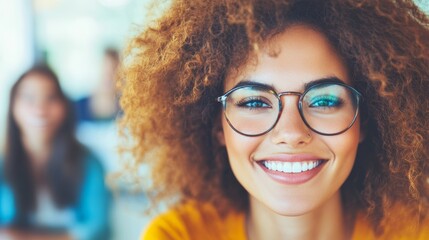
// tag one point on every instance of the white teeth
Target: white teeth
(291, 167)
(296, 167)
(288, 167)
(304, 166)
(279, 166)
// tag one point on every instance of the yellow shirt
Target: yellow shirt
(193, 221)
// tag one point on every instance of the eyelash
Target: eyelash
(337, 102)
(259, 100)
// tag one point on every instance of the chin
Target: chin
(291, 208)
(291, 211)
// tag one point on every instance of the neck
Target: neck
(325, 222)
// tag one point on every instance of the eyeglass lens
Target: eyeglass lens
(326, 108)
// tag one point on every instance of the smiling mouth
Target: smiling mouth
(291, 167)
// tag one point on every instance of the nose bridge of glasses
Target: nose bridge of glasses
(293, 124)
(289, 93)
(283, 103)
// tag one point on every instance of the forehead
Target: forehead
(291, 58)
(37, 81)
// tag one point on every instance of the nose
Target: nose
(40, 107)
(290, 128)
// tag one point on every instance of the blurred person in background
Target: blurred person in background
(52, 187)
(102, 104)
(96, 113)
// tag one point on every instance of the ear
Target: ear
(218, 130)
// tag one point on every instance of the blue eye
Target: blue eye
(327, 101)
(253, 103)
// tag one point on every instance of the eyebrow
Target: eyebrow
(307, 85)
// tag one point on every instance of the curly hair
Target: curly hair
(176, 68)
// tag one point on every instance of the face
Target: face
(324, 162)
(108, 72)
(38, 108)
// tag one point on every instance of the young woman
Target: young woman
(51, 184)
(299, 119)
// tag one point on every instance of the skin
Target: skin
(39, 112)
(103, 100)
(38, 108)
(313, 209)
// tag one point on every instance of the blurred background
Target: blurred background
(72, 37)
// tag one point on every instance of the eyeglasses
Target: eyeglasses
(328, 108)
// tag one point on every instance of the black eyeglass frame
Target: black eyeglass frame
(222, 99)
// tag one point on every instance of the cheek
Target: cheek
(240, 149)
(344, 147)
(58, 114)
(20, 113)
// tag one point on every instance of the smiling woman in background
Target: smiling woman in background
(52, 187)
(276, 119)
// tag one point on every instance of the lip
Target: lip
(291, 158)
(292, 178)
